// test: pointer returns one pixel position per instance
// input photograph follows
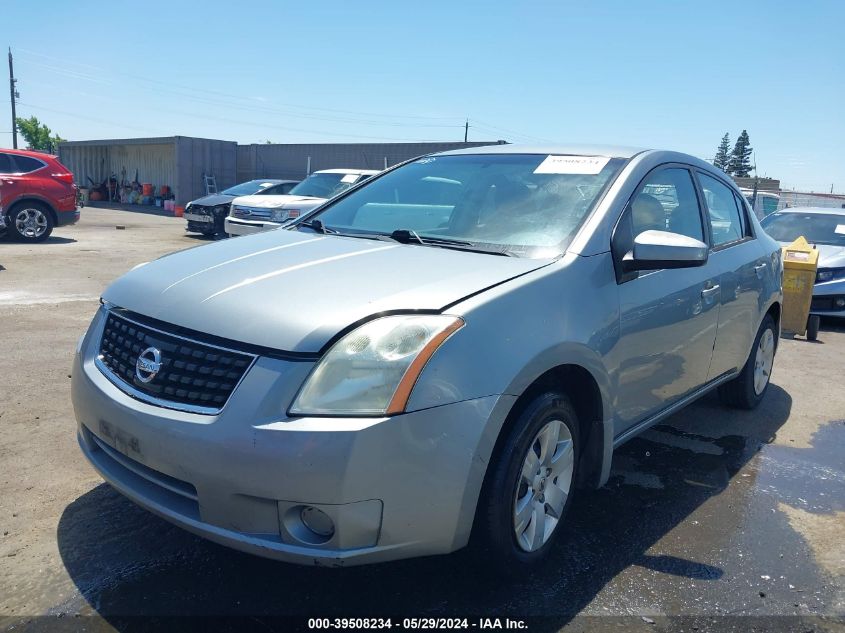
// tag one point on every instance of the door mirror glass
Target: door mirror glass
(654, 250)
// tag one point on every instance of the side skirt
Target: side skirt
(673, 408)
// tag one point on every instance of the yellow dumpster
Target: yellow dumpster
(800, 261)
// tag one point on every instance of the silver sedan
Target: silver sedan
(445, 353)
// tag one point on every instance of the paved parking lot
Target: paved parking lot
(712, 513)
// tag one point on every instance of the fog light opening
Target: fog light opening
(840, 302)
(317, 521)
(309, 525)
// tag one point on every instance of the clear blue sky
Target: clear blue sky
(658, 74)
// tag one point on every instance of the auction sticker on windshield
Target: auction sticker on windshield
(572, 165)
(840, 229)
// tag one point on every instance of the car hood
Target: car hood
(212, 200)
(277, 202)
(829, 256)
(293, 291)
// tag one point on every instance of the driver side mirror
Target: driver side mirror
(655, 250)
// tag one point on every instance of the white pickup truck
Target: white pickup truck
(251, 214)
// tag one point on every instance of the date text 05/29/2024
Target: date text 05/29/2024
(416, 623)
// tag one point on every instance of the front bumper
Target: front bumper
(829, 298)
(206, 223)
(248, 227)
(395, 487)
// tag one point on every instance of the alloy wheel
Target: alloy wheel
(544, 484)
(31, 223)
(763, 361)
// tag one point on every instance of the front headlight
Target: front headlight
(282, 215)
(829, 274)
(372, 370)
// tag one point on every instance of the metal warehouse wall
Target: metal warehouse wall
(155, 162)
(198, 156)
(291, 161)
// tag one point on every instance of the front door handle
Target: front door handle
(709, 291)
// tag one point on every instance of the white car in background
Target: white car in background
(251, 214)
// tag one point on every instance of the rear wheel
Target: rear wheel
(747, 390)
(532, 483)
(813, 323)
(30, 222)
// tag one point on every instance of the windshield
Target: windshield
(248, 188)
(324, 185)
(817, 228)
(528, 205)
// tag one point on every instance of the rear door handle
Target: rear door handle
(710, 291)
(759, 268)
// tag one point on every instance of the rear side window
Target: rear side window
(722, 209)
(25, 164)
(6, 164)
(667, 202)
(743, 216)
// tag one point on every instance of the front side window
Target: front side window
(666, 201)
(725, 220)
(527, 205)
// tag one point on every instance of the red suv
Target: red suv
(36, 194)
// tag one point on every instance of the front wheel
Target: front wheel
(531, 484)
(747, 390)
(30, 222)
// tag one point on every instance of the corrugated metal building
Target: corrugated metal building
(181, 161)
(298, 160)
(176, 161)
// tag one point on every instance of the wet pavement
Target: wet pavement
(714, 520)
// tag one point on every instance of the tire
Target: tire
(813, 323)
(504, 542)
(743, 392)
(30, 222)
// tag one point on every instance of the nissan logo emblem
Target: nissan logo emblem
(148, 364)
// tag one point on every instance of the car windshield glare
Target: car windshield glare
(324, 185)
(529, 205)
(247, 188)
(817, 228)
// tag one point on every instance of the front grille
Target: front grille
(249, 213)
(821, 304)
(192, 375)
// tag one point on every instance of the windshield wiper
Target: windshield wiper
(319, 227)
(408, 236)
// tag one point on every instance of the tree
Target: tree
(723, 157)
(740, 163)
(37, 135)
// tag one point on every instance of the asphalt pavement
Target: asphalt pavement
(714, 520)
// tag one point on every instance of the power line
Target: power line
(234, 121)
(169, 85)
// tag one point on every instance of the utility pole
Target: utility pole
(466, 128)
(13, 95)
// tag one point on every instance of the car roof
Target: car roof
(29, 152)
(357, 172)
(612, 151)
(828, 210)
(275, 181)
